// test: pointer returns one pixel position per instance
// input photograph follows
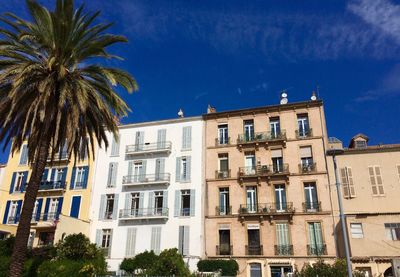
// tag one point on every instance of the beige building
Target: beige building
(370, 179)
(267, 202)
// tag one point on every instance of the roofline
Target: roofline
(160, 122)
(373, 149)
(263, 109)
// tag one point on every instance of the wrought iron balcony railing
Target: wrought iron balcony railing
(316, 249)
(222, 141)
(163, 146)
(143, 213)
(307, 168)
(224, 249)
(312, 207)
(223, 210)
(272, 135)
(50, 216)
(146, 178)
(63, 156)
(304, 133)
(266, 208)
(222, 174)
(252, 137)
(263, 170)
(52, 185)
(283, 250)
(254, 250)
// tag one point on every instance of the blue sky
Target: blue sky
(238, 54)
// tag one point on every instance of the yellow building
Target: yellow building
(62, 205)
(370, 179)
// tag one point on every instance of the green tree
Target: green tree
(53, 94)
(170, 262)
(141, 263)
(320, 268)
(77, 247)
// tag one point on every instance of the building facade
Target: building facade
(370, 183)
(267, 188)
(64, 192)
(148, 193)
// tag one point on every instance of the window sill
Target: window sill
(186, 149)
(379, 195)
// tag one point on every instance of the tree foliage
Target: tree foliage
(226, 267)
(168, 263)
(77, 247)
(320, 268)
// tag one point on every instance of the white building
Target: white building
(147, 192)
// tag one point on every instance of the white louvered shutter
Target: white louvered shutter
(379, 180)
(372, 180)
(130, 242)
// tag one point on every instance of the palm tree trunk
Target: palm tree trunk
(24, 225)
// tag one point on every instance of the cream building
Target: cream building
(370, 179)
(62, 205)
(267, 188)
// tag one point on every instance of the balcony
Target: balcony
(252, 138)
(263, 171)
(283, 250)
(307, 168)
(45, 217)
(221, 142)
(276, 136)
(311, 207)
(224, 249)
(222, 174)
(146, 179)
(267, 208)
(144, 213)
(62, 157)
(221, 210)
(163, 147)
(254, 250)
(304, 133)
(52, 186)
(316, 250)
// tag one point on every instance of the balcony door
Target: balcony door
(223, 134)
(275, 127)
(311, 197)
(224, 242)
(135, 203)
(158, 202)
(248, 130)
(303, 125)
(277, 160)
(315, 238)
(254, 247)
(137, 171)
(255, 270)
(251, 199)
(280, 198)
(53, 208)
(250, 163)
(223, 201)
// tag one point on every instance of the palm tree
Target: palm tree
(54, 94)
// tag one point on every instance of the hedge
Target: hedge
(226, 267)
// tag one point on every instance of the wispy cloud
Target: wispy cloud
(291, 36)
(389, 87)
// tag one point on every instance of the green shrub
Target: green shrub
(6, 246)
(226, 267)
(141, 262)
(76, 247)
(170, 262)
(320, 268)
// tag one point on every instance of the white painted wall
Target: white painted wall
(170, 227)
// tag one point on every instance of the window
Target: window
(366, 271)
(249, 163)
(303, 125)
(115, 147)
(376, 180)
(187, 137)
(360, 144)
(138, 171)
(255, 270)
(19, 182)
(310, 192)
(58, 175)
(251, 199)
(307, 163)
(183, 168)
(112, 174)
(280, 198)
(275, 127)
(24, 155)
(224, 241)
(277, 160)
(392, 231)
(223, 134)
(35, 210)
(248, 126)
(185, 203)
(158, 202)
(106, 237)
(223, 166)
(224, 207)
(183, 245)
(53, 209)
(109, 206)
(80, 178)
(283, 246)
(316, 245)
(253, 236)
(13, 213)
(155, 239)
(356, 230)
(346, 176)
